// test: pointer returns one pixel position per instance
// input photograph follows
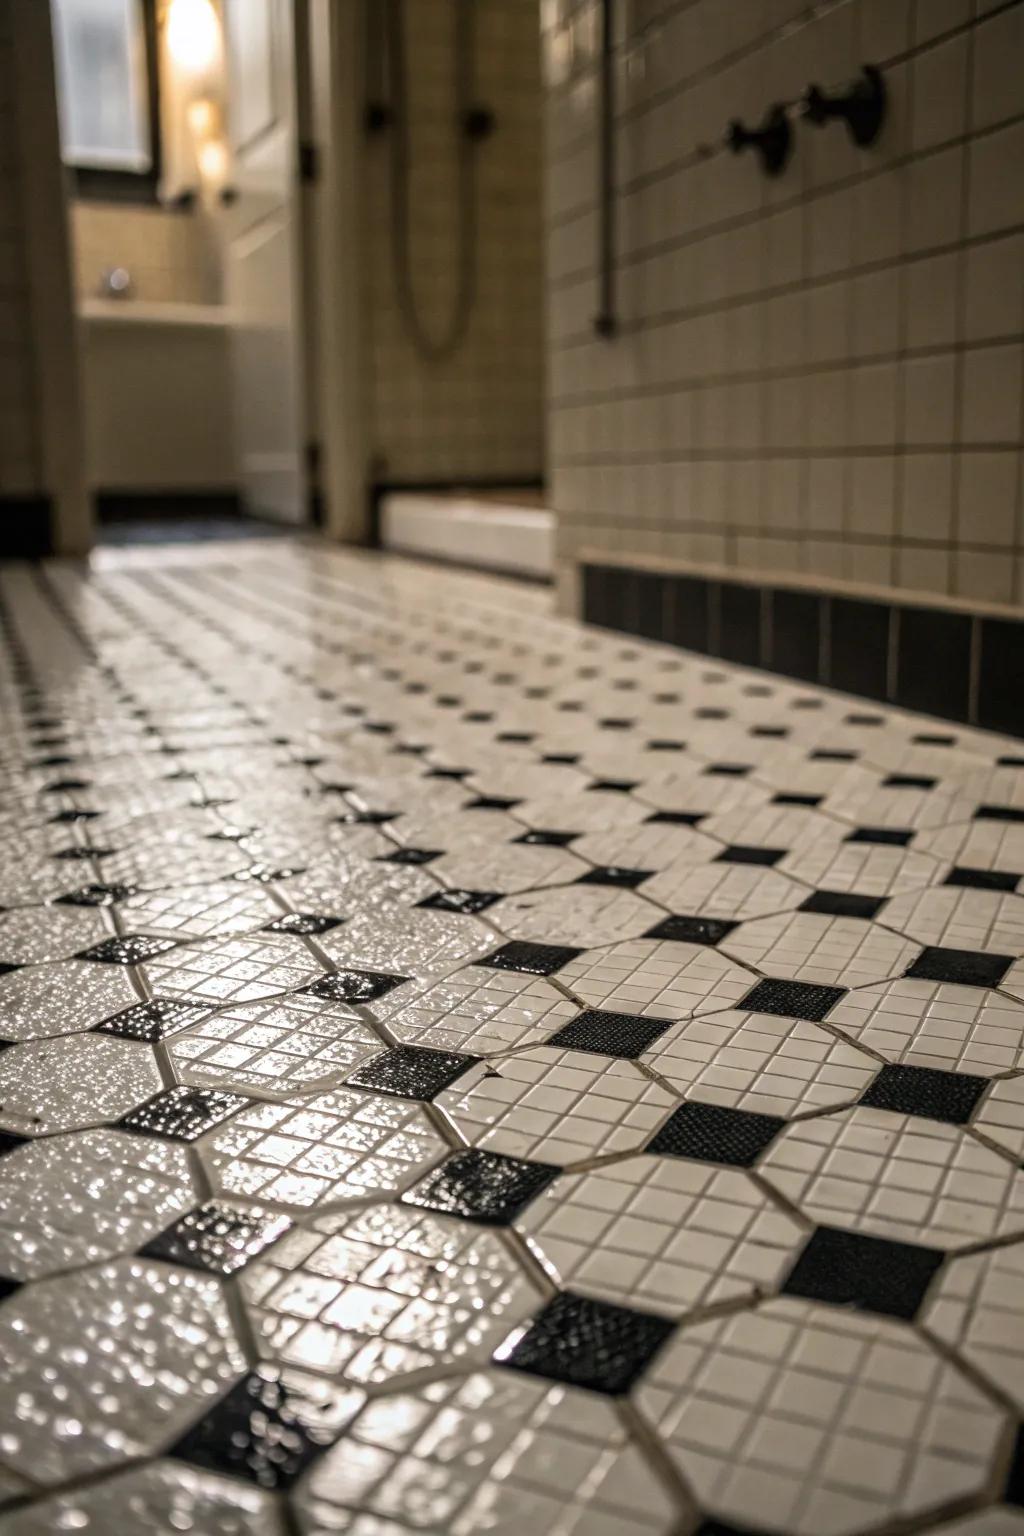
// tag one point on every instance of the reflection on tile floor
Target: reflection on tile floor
(465, 1073)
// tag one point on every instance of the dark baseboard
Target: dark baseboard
(123, 506)
(961, 666)
(26, 527)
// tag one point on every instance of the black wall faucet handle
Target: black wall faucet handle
(772, 139)
(861, 105)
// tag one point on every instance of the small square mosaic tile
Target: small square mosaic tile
(462, 1071)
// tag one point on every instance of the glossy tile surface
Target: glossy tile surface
(463, 1073)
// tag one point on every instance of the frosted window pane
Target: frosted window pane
(101, 73)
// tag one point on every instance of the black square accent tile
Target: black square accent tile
(535, 959)
(96, 895)
(482, 1186)
(537, 839)
(366, 818)
(982, 879)
(567, 758)
(447, 773)
(664, 745)
(6, 969)
(74, 854)
(770, 732)
(69, 818)
(9, 1140)
(354, 986)
(908, 781)
(614, 786)
(857, 719)
(410, 856)
(612, 874)
(610, 1034)
(842, 904)
(182, 1114)
(728, 770)
(738, 853)
(932, 739)
(998, 813)
(67, 786)
(871, 1274)
(129, 949)
(692, 930)
(411, 1071)
(832, 755)
(926, 1091)
(892, 837)
(785, 798)
(156, 1020)
(708, 713)
(218, 1237)
(306, 924)
(713, 1133)
(963, 967)
(265, 1430)
(460, 901)
(586, 1343)
(677, 818)
(1008, 761)
(491, 803)
(792, 999)
(8, 1287)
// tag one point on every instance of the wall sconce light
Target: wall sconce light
(193, 35)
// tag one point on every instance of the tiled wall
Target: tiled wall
(479, 414)
(172, 255)
(18, 463)
(819, 375)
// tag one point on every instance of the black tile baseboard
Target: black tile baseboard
(961, 666)
(26, 527)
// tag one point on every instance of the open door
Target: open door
(262, 251)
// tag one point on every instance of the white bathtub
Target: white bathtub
(157, 389)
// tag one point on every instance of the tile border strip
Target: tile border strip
(961, 666)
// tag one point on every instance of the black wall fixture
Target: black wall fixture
(772, 139)
(861, 105)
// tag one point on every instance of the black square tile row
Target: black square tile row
(876, 649)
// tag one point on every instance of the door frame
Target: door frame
(52, 312)
(339, 405)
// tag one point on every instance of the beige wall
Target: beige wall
(19, 463)
(820, 374)
(479, 414)
(172, 255)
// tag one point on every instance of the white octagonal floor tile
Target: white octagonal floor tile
(897, 1176)
(730, 891)
(935, 1024)
(279, 1046)
(866, 869)
(810, 946)
(34, 935)
(371, 1296)
(660, 1233)
(581, 915)
(819, 1422)
(200, 911)
(1001, 1115)
(975, 1308)
(60, 999)
(241, 969)
(507, 867)
(482, 1011)
(109, 1364)
(73, 1200)
(660, 977)
(761, 1062)
(960, 918)
(556, 1106)
(310, 1152)
(489, 1452)
(409, 943)
(153, 1500)
(653, 845)
(81, 1080)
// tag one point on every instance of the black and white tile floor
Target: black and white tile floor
(464, 1073)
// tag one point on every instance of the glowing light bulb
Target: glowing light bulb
(193, 34)
(212, 160)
